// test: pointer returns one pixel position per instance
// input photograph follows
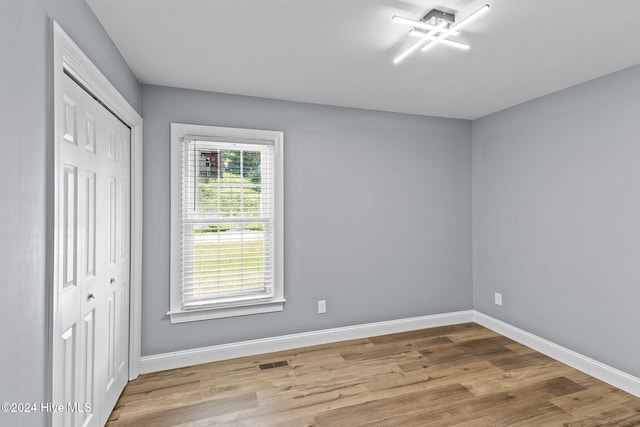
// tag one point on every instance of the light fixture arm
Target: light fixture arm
(420, 42)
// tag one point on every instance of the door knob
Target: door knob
(90, 297)
(113, 280)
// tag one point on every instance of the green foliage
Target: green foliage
(250, 164)
(234, 193)
(226, 227)
(228, 196)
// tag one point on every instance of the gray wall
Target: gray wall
(556, 210)
(26, 93)
(377, 215)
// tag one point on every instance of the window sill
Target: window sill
(183, 316)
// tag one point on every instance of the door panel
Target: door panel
(90, 225)
(111, 339)
(116, 158)
(70, 224)
(87, 381)
(69, 370)
(112, 220)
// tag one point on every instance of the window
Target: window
(226, 222)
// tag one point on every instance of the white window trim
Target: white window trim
(177, 314)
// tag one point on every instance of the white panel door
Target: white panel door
(90, 347)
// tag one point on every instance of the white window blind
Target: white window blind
(227, 219)
(227, 223)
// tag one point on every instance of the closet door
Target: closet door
(90, 345)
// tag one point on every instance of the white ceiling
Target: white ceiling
(340, 52)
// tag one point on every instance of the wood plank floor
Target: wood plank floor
(462, 375)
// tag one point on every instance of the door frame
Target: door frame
(69, 58)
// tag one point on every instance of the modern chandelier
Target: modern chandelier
(435, 28)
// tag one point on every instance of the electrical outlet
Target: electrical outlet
(498, 298)
(322, 306)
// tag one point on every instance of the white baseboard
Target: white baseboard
(180, 359)
(596, 369)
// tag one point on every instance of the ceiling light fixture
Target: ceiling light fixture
(439, 25)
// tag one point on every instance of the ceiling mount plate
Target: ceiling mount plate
(439, 15)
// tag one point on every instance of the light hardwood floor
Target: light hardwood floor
(462, 375)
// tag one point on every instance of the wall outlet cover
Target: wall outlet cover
(322, 306)
(498, 298)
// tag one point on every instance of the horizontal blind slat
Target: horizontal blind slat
(249, 287)
(216, 276)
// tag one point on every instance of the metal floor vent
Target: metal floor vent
(273, 365)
